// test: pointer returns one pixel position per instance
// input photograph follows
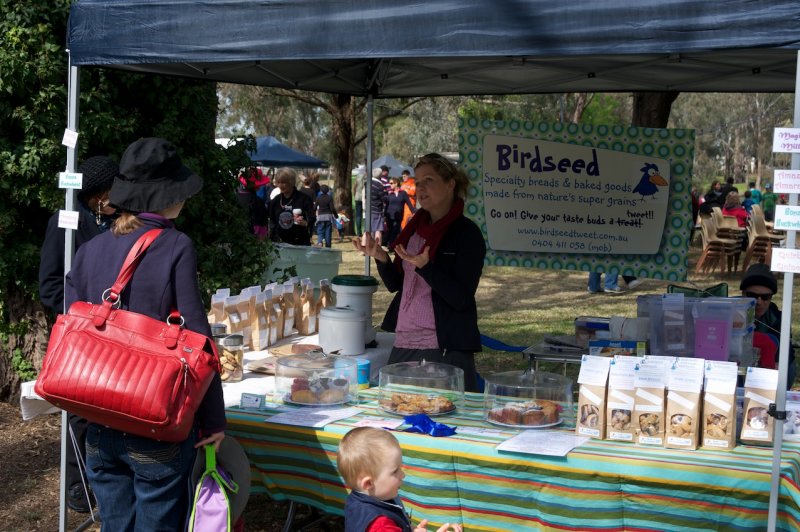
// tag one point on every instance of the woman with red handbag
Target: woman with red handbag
(141, 483)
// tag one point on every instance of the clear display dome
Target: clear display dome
(527, 399)
(422, 387)
(316, 379)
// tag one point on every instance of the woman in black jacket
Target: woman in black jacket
(436, 270)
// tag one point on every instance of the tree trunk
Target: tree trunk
(344, 131)
(581, 102)
(30, 331)
(651, 109)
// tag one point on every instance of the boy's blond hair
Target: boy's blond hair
(361, 453)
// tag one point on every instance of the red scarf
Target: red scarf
(421, 224)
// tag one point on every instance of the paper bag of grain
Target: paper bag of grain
(289, 306)
(648, 409)
(246, 306)
(217, 312)
(259, 325)
(685, 385)
(325, 298)
(719, 405)
(277, 310)
(592, 396)
(621, 398)
(760, 389)
(232, 315)
(308, 309)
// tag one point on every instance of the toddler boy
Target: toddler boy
(371, 463)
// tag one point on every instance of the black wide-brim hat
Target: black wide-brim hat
(152, 177)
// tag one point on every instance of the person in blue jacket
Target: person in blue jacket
(141, 483)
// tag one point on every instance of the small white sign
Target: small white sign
(786, 140)
(68, 219)
(785, 260)
(786, 181)
(70, 139)
(787, 217)
(70, 180)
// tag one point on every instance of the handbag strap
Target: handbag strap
(112, 295)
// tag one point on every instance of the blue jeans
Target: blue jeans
(609, 284)
(140, 484)
(324, 232)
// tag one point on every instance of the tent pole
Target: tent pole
(368, 178)
(786, 322)
(73, 91)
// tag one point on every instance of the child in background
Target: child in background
(371, 463)
(341, 224)
(748, 202)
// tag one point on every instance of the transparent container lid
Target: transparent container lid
(316, 379)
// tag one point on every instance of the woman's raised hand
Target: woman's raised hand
(371, 246)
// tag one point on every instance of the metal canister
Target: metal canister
(231, 357)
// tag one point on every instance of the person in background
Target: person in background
(755, 194)
(610, 284)
(396, 201)
(768, 201)
(315, 183)
(325, 214)
(436, 270)
(760, 283)
(409, 186)
(306, 186)
(385, 177)
(377, 203)
(141, 483)
(359, 199)
(95, 216)
(696, 200)
(370, 461)
(251, 180)
(284, 225)
(748, 202)
(733, 207)
(726, 189)
(712, 198)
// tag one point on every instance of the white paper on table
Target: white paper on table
(379, 422)
(313, 417)
(549, 443)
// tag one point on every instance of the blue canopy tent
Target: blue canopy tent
(395, 167)
(270, 152)
(390, 49)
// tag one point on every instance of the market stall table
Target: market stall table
(600, 485)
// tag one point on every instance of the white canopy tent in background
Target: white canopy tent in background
(390, 49)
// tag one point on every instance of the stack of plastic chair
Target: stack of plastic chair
(717, 251)
(760, 225)
(759, 247)
(728, 228)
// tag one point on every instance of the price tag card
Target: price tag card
(252, 400)
(68, 220)
(594, 370)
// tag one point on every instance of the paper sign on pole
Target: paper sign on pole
(70, 139)
(785, 260)
(786, 181)
(68, 219)
(786, 140)
(70, 180)
(787, 217)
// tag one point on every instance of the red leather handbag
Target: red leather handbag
(125, 370)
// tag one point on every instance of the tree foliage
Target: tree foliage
(115, 109)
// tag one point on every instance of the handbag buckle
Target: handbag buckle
(174, 316)
(115, 300)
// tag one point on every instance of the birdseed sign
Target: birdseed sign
(581, 197)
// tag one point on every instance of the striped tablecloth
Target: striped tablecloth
(463, 479)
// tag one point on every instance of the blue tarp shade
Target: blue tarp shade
(391, 49)
(270, 152)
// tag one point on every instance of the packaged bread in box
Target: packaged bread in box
(316, 379)
(648, 410)
(420, 387)
(760, 389)
(621, 398)
(719, 405)
(592, 378)
(527, 399)
(685, 385)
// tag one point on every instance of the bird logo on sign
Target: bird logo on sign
(650, 181)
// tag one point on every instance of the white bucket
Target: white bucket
(341, 330)
(355, 291)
